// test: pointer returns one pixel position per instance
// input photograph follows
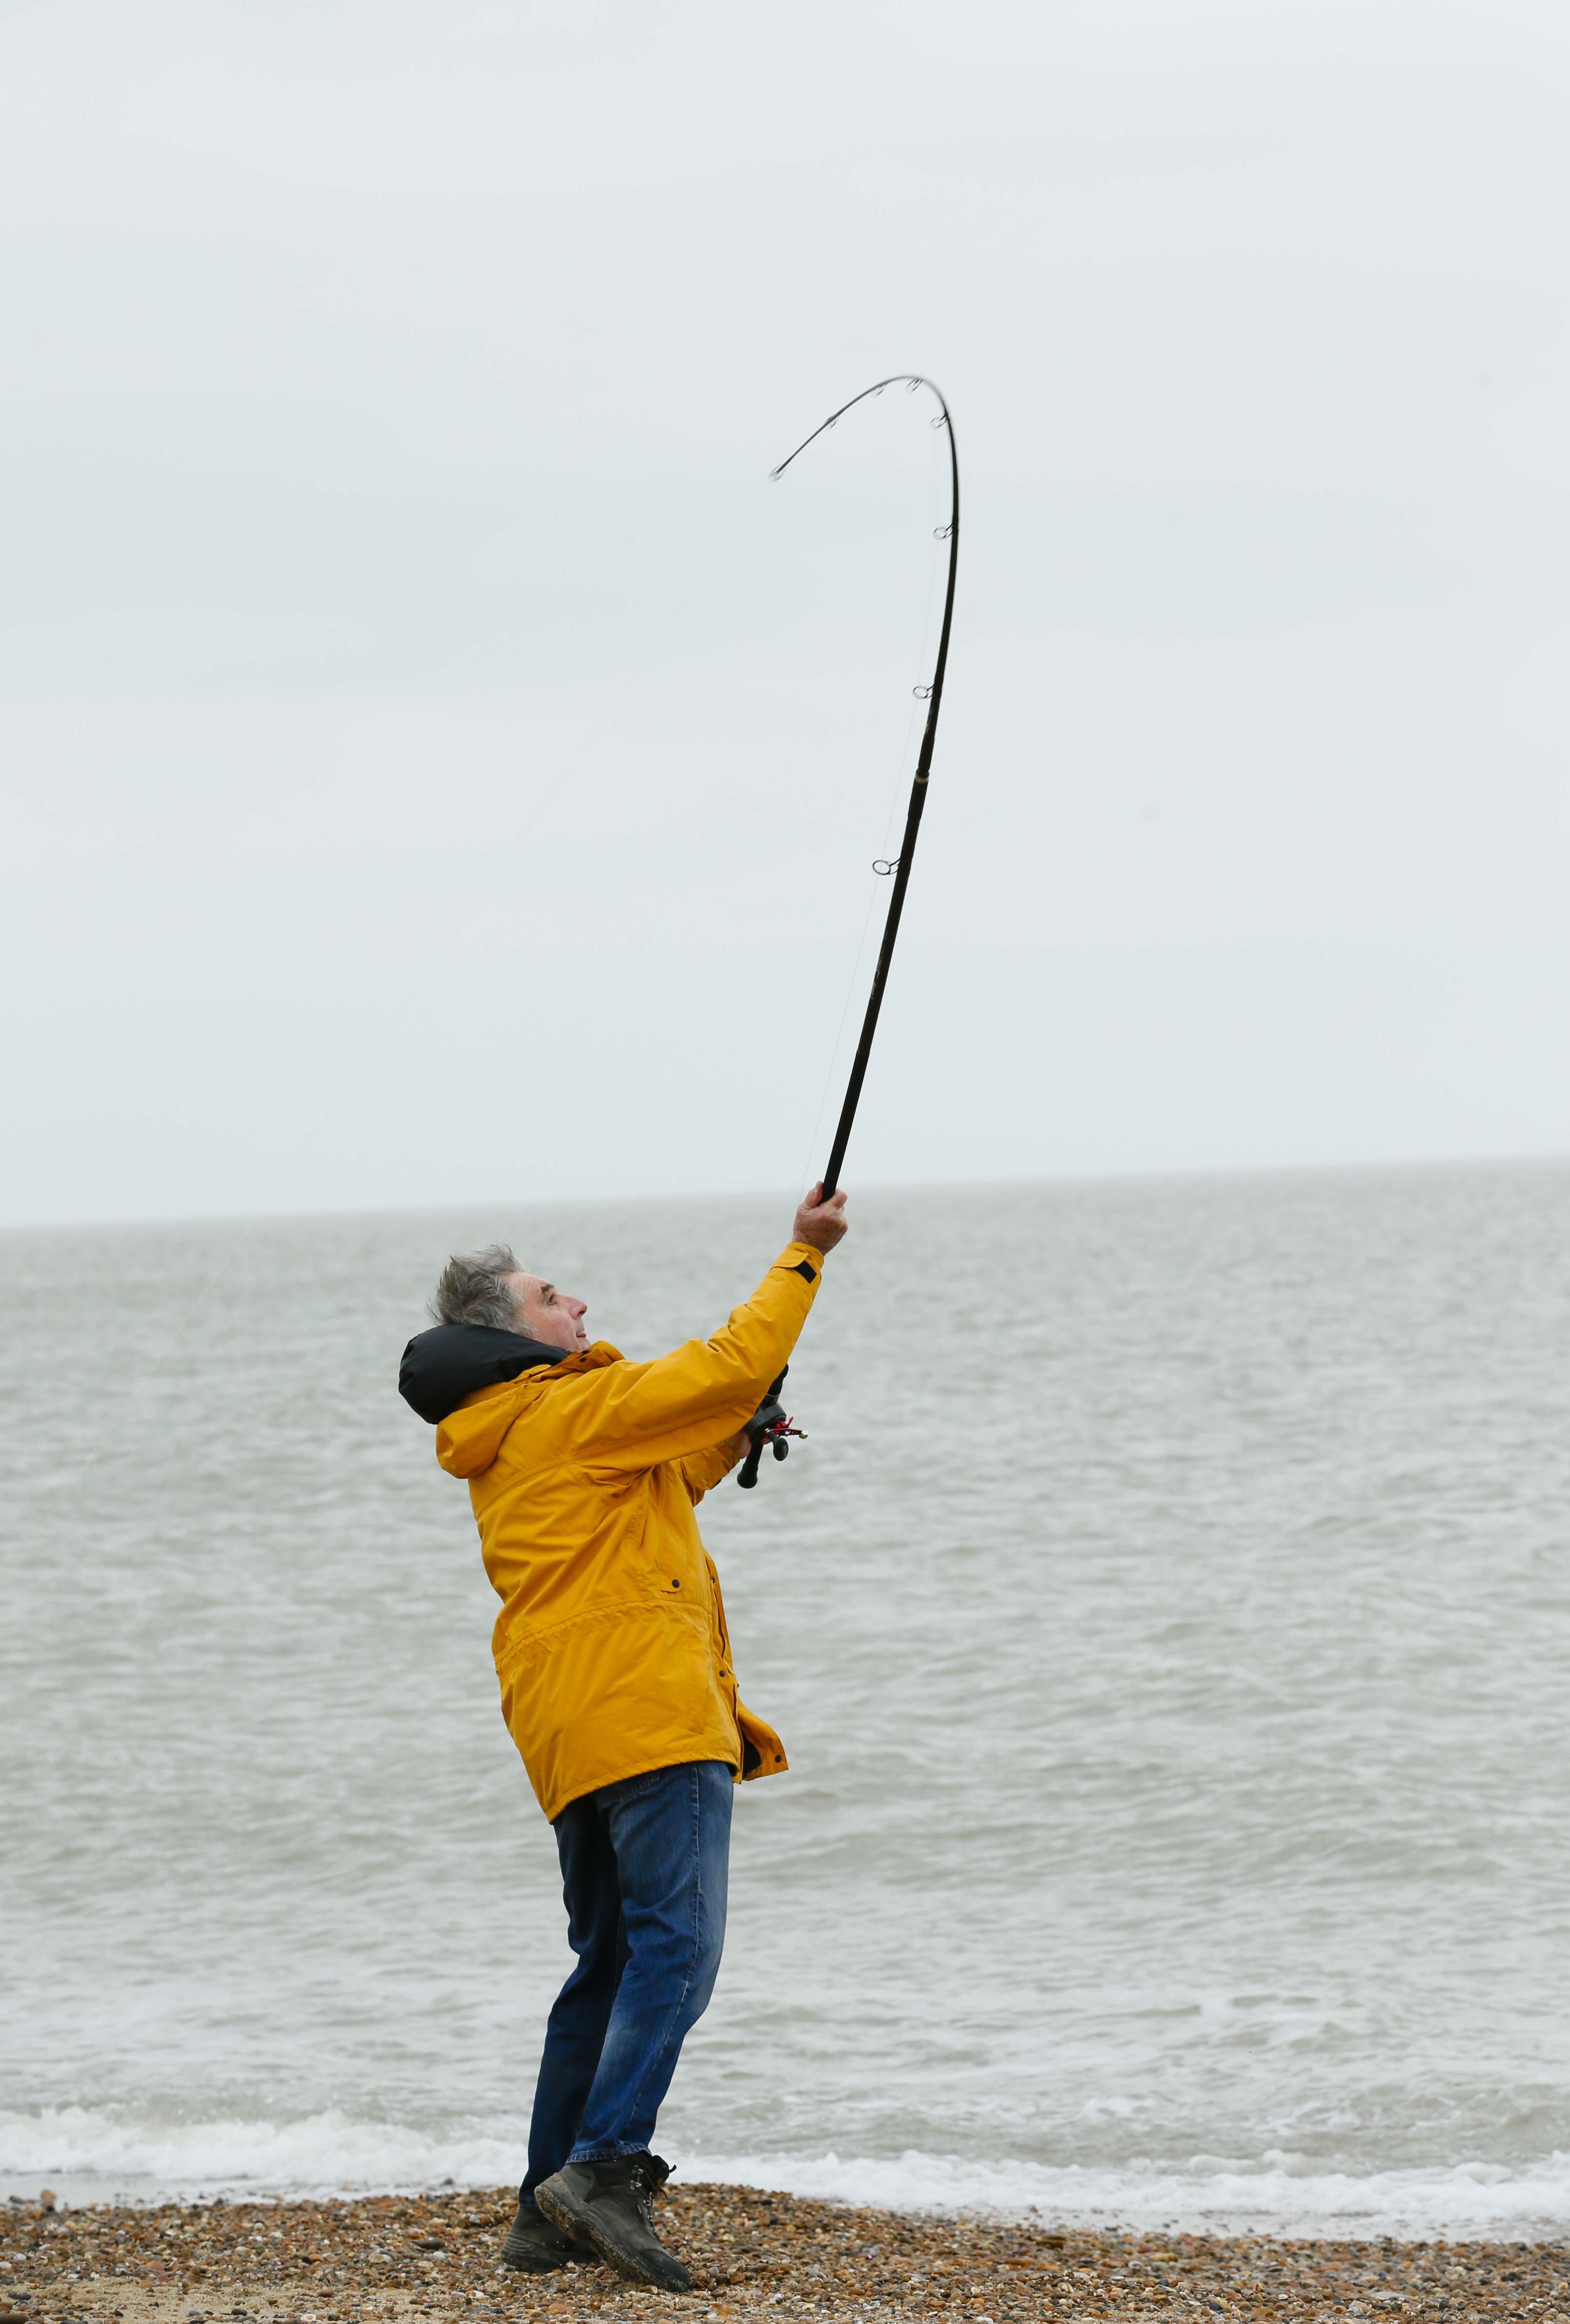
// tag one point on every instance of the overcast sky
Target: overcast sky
(439, 764)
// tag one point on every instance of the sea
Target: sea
(1167, 1616)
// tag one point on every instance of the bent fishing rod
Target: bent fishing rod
(772, 1425)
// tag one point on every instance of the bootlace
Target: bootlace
(648, 2175)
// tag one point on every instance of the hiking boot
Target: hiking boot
(611, 2207)
(534, 2246)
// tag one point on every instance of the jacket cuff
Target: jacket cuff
(801, 1256)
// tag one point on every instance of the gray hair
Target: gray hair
(473, 1289)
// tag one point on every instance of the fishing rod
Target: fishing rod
(772, 1426)
(899, 869)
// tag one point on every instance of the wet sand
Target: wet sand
(752, 2253)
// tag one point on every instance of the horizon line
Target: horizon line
(1155, 1173)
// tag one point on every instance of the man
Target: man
(614, 1664)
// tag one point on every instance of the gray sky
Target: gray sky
(439, 765)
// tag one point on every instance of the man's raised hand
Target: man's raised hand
(821, 1224)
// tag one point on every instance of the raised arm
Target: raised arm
(684, 1402)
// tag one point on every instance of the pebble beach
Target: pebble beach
(752, 2253)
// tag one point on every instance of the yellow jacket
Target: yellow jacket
(610, 1646)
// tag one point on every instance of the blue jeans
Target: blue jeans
(645, 1864)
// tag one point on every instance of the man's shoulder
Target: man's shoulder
(549, 1405)
(585, 1370)
(591, 1358)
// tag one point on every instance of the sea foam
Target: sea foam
(99, 2156)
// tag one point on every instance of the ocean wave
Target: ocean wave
(115, 2152)
(91, 2155)
(1205, 2195)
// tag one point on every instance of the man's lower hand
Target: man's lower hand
(769, 1412)
(770, 1425)
(821, 1224)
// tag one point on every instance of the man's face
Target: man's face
(553, 1317)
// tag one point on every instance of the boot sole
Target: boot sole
(583, 2226)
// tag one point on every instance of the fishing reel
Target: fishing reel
(770, 1425)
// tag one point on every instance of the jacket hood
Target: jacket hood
(444, 1365)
